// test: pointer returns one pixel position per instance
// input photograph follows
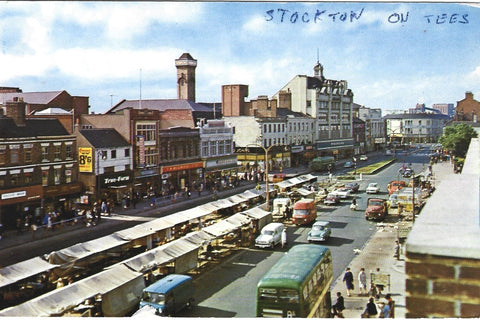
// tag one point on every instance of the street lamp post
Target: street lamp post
(266, 170)
(413, 196)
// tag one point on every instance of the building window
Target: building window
(44, 178)
(27, 152)
(113, 154)
(44, 153)
(27, 176)
(151, 156)
(3, 154)
(127, 153)
(205, 149)
(68, 176)
(147, 131)
(228, 146)
(14, 153)
(221, 147)
(57, 174)
(213, 148)
(14, 179)
(69, 151)
(57, 152)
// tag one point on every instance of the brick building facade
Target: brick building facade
(467, 109)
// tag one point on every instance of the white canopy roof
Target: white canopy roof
(60, 300)
(23, 270)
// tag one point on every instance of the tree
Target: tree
(457, 138)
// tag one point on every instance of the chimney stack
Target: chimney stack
(16, 110)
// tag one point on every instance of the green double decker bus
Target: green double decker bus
(323, 163)
(298, 285)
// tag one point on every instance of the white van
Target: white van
(279, 207)
(270, 236)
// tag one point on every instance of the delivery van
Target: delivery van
(304, 212)
(280, 205)
(169, 295)
(270, 236)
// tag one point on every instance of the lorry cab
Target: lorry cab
(304, 212)
(280, 205)
(169, 295)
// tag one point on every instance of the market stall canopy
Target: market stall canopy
(249, 194)
(24, 270)
(238, 219)
(256, 213)
(220, 228)
(199, 238)
(82, 250)
(223, 203)
(237, 199)
(63, 299)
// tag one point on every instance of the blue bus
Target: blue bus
(298, 285)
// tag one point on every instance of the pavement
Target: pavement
(378, 253)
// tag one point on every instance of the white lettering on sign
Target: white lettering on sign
(12, 195)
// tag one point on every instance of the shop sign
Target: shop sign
(217, 163)
(297, 149)
(334, 144)
(181, 167)
(16, 194)
(115, 180)
(85, 159)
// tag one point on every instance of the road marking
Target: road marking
(244, 264)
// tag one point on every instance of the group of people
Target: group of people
(385, 307)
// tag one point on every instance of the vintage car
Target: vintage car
(320, 231)
(348, 164)
(363, 157)
(395, 186)
(343, 193)
(372, 188)
(376, 209)
(352, 186)
(331, 198)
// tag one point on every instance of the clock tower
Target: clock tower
(186, 77)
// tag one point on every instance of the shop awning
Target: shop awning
(63, 299)
(23, 270)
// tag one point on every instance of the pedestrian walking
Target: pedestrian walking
(339, 306)
(348, 279)
(284, 238)
(396, 253)
(362, 281)
(371, 309)
(391, 305)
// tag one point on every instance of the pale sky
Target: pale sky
(393, 55)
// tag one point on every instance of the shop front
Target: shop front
(147, 182)
(18, 203)
(340, 149)
(176, 178)
(115, 185)
(61, 198)
(219, 170)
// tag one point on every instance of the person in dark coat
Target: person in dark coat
(371, 309)
(348, 279)
(339, 306)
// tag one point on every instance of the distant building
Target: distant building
(374, 128)
(467, 109)
(414, 128)
(186, 66)
(445, 108)
(38, 168)
(329, 102)
(39, 101)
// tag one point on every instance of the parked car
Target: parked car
(407, 173)
(343, 193)
(270, 236)
(376, 209)
(363, 157)
(320, 231)
(372, 188)
(393, 199)
(331, 198)
(388, 152)
(348, 164)
(352, 186)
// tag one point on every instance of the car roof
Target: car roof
(321, 223)
(164, 285)
(273, 225)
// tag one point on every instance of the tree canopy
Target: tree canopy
(457, 138)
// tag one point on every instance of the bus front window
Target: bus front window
(287, 295)
(154, 298)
